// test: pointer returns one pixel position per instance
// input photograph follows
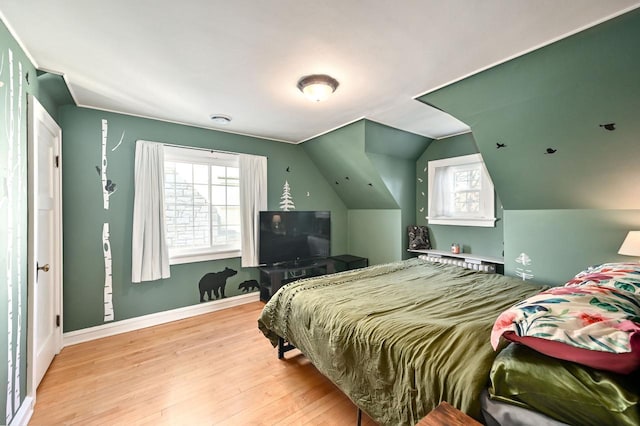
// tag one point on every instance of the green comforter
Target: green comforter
(397, 338)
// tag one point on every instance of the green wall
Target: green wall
(379, 244)
(393, 153)
(476, 240)
(560, 243)
(557, 97)
(13, 218)
(571, 208)
(53, 93)
(84, 213)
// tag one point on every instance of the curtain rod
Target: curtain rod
(211, 150)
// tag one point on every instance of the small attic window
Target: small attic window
(460, 192)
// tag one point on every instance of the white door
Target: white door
(45, 246)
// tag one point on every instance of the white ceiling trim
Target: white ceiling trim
(454, 135)
(332, 129)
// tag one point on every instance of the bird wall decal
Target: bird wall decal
(609, 126)
(551, 151)
(500, 145)
(110, 186)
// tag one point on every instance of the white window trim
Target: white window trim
(179, 259)
(488, 195)
(183, 256)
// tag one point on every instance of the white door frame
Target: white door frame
(37, 112)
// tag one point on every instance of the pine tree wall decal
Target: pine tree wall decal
(286, 202)
(524, 260)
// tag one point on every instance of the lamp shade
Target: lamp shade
(631, 245)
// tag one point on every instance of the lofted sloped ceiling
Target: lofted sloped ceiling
(370, 165)
(340, 156)
(554, 109)
(385, 140)
(183, 61)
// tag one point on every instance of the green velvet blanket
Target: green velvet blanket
(563, 390)
(397, 338)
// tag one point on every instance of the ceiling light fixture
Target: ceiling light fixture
(317, 87)
(220, 118)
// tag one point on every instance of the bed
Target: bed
(397, 338)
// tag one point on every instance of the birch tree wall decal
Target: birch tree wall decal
(9, 254)
(108, 273)
(108, 189)
(16, 381)
(119, 143)
(286, 202)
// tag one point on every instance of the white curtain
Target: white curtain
(442, 197)
(253, 198)
(149, 253)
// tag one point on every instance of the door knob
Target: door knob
(44, 267)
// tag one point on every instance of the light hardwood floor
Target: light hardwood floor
(214, 369)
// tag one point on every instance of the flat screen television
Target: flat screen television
(294, 236)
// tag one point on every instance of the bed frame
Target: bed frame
(283, 346)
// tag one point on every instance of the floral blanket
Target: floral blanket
(594, 312)
(620, 276)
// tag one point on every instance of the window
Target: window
(202, 204)
(460, 192)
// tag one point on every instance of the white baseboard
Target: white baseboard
(131, 324)
(25, 412)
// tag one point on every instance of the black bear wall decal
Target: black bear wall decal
(248, 285)
(215, 281)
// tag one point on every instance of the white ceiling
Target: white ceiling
(182, 61)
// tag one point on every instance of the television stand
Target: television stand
(274, 277)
